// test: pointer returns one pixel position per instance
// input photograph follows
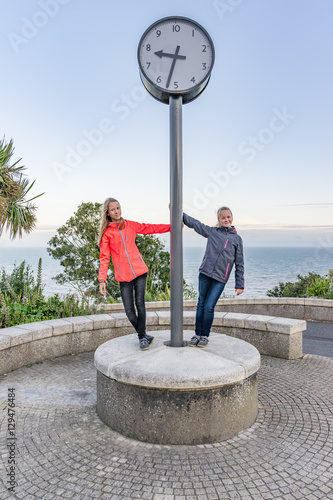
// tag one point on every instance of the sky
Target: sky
(258, 139)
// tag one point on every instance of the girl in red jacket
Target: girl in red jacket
(117, 240)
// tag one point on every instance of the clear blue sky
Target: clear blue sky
(259, 138)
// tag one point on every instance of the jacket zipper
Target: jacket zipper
(226, 243)
(226, 274)
(126, 253)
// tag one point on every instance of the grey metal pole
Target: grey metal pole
(176, 214)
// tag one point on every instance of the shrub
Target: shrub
(322, 287)
(312, 285)
(22, 299)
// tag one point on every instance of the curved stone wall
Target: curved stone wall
(308, 309)
(34, 342)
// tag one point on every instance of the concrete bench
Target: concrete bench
(34, 342)
(283, 307)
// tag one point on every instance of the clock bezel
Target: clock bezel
(162, 94)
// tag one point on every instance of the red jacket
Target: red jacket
(120, 245)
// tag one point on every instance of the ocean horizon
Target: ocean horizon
(265, 267)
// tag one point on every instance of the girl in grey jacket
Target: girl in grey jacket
(224, 249)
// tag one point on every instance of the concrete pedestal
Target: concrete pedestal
(177, 395)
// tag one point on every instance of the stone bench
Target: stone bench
(34, 342)
(310, 309)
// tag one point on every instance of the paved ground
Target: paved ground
(62, 449)
(318, 339)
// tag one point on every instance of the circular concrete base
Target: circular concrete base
(184, 395)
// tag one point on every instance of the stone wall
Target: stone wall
(34, 342)
(308, 309)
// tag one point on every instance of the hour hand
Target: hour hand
(161, 54)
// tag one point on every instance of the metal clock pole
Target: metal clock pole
(176, 57)
(176, 213)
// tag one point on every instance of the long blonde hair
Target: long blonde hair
(106, 219)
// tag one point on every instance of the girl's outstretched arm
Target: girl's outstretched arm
(198, 226)
(142, 228)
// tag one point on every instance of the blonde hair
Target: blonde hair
(106, 219)
(221, 210)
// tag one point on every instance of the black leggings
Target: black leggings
(137, 317)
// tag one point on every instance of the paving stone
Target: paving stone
(65, 451)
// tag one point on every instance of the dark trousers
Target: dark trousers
(209, 293)
(135, 290)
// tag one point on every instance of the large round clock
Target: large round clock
(176, 57)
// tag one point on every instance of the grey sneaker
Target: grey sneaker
(203, 342)
(150, 338)
(194, 341)
(144, 344)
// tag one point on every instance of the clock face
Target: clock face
(176, 56)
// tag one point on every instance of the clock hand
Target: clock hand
(175, 57)
(160, 53)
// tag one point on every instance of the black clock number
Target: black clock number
(158, 79)
(148, 64)
(175, 28)
(175, 85)
(193, 80)
(204, 48)
(204, 66)
(148, 47)
(158, 33)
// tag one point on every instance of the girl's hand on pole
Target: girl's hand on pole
(102, 288)
(239, 291)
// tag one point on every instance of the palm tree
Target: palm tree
(17, 214)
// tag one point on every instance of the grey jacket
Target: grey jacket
(224, 249)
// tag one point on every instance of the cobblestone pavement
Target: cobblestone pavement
(63, 450)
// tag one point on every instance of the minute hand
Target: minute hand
(175, 57)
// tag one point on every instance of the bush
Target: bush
(22, 299)
(188, 293)
(322, 287)
(21, 285)
(50, 308)
(312, 285)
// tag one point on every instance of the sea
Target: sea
(265, 267)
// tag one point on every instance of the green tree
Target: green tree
(75, 246)
(17, 214)
(158, 263)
